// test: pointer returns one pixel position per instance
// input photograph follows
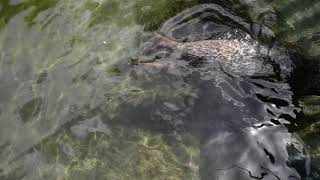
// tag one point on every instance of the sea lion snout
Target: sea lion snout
(155, 48)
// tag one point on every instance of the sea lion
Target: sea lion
(244, 57)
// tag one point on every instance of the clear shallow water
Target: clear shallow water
(72, 107)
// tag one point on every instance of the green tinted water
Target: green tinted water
(64, 62)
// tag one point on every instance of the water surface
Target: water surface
(73, 107)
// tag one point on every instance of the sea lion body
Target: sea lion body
(244, 57)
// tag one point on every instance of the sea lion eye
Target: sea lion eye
(161, 54)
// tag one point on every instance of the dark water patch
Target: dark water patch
(152, 14)
(299, 25)
(305, 78)
(31, 109)
(277, 102)
(42, 77)
(308, 23)
(306, 126)
(234, 6)
(274, 121)
(214, 16)
(292, 7)
(9, 10)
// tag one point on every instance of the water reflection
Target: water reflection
(72, 107)
(231, 111)
(259, 155)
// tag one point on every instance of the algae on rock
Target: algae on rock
(122, 154)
